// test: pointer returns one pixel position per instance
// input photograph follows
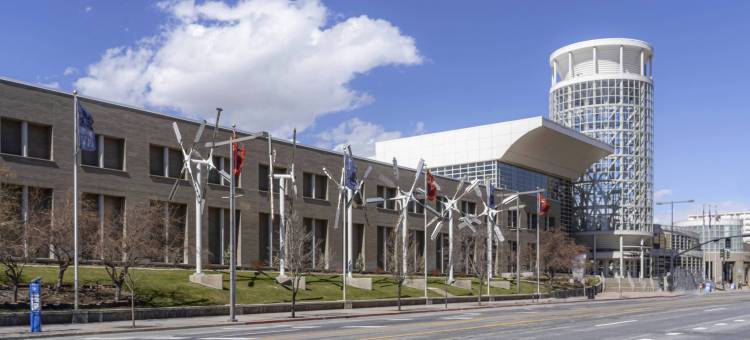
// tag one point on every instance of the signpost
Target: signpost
(35, 301)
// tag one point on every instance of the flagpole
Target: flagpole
(538, 245)
(424, 245)
(233, 232)
(75, 200)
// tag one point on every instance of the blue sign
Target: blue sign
(35, 301)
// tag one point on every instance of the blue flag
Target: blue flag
(86, 135)
(350, 172)
(490, 195)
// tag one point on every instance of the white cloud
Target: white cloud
(419, 128)
(661, 194)
(359, 134)
(272, 65)
(88, 9)
(70, 70)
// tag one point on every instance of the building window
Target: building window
(165, 161)
(317, 244)
(512, 219)
(268, 237)
(25, 139)
(387, 193)
(218, 234)
(263, 178)
(109, 153)
(416, 208)
(109, 221)
(469, 207)
(314, 186)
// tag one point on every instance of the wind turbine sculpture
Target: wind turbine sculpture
(402, 199)
(282, 200)
(349, 188)
(449, 206)
(191, 157)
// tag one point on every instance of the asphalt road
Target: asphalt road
(720, 316)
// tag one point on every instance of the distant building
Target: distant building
(604, 88)
(744, 216)
(731, 268)
(667, 243)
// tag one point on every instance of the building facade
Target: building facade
(725, 260)
(604, 89)
(668, 243)
(744, 216)
(514, 156)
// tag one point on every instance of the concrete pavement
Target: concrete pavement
(352, 321)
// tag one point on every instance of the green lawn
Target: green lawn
(171, 287)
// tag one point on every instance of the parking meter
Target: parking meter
(35, 302)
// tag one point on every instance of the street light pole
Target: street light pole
(671, 228)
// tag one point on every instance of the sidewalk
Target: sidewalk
(22, 332)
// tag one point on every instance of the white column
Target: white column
(643, 63)
(622, 68)
(100, 215)
(165, 157)
(25, 217)
(570, 65)
(198, 220)
(221, 235)
(640, 275)
(404, 234)
(596, 61)
(24, 138)
(554, 72)
(622, 259)
(100, 150)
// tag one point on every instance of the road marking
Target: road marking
(614, 323)
(457, 318)
(720, 324)
(306, 327)
(740, 320)
(699, 328)
(714, 309)
(273, 331)
(364, 326)
(226, 338)
(674, 333)
(398, 319)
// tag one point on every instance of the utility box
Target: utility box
(35, 302)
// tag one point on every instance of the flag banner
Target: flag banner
(431, 187)
(350, 172)
(86, 135)
(490, 195)
(543, 205)
(239, 156)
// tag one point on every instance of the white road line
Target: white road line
(305, 327)
(699, 328)
(720, 324)
(714, 309)
(740, 320)
(457, 318)
(227, 338)
(674, 333)
(398, 319)
(614, 323)
(363, 326)
(271, 332)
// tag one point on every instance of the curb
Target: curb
(314, 318)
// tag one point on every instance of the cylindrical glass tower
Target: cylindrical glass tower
(604, 89)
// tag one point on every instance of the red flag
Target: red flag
(431, 187)
(543, 204)
(239, 156)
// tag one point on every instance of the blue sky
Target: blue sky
(462, 64)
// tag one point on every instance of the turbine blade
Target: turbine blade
(420, 167)
(395, 169)
(367, 172)
(478, 192)
(176, 185)
(436, 231)
(499, 234)
(200, 132)
(387, 181)
(177, 132)
(338, 213)
(371, 200)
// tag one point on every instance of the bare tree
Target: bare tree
(464, 239)
(13, 240)
(56, 231)
(395, 261)
(298, 254)
(125, 246)
(557, 252)
(478, 260)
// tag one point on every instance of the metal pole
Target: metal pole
(490, 223)
(450, 245)
(538, 244)
(282, 225)
(404, 235)
(349, 229)
(232, 240)
(75, 200)
(343, 246)
(424, 245)
(518, 245)
(671, 240)
(198, 219)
